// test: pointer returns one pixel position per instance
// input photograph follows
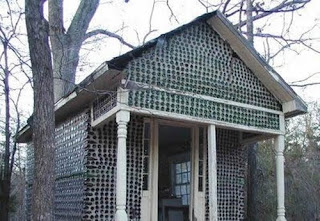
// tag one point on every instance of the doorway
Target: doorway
(174, 172)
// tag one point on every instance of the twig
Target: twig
(172, 14)
(109, 34)
(305, 85)
(307, 78)
(277, 9)
(225, 6)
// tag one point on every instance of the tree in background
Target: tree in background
(66, 43)
(302, 155)
(254, 18)
(12, 62)
(303, 165)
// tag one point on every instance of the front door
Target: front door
(174, 173)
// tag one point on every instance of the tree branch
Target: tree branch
(282, 7)
(145, 37)
(289, 41)
(204, 5)
(305, 85)
(224, 10)
(56, 17)
(307, 78)
(150, 30)
(172, 15)
(109, 34)
(82, 18)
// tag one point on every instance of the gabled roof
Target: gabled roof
(293, 104)
(108, 75)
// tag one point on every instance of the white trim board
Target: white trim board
(180, 117)
(168, 115)
(122, 104)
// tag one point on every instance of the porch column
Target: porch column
(279, 146)
(122, 118)
(212, 159)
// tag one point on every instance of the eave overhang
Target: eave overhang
(101, 81)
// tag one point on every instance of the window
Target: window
(182, 177)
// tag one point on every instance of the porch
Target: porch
(211, 158)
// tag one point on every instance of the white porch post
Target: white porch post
(279, 146)
(122, 118)
(212, 159)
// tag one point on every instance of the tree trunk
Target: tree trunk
(6, 179)
(65, 62)
(252, 152)
(4, 200)
(43, 118)
(249, 22)
(66, 45)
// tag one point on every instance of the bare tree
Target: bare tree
(6, 176)
(65, 47)
(10, 60)
(252, 149)
(43, 122)
(302, 165)
(256, 18)
(66, 43)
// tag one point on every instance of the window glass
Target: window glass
(182, 178)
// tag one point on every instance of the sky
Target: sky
(133, 21)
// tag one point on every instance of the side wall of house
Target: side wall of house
(70, 171)
(100, 197)
(86, 160)
(231, 170)
(71, 143)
